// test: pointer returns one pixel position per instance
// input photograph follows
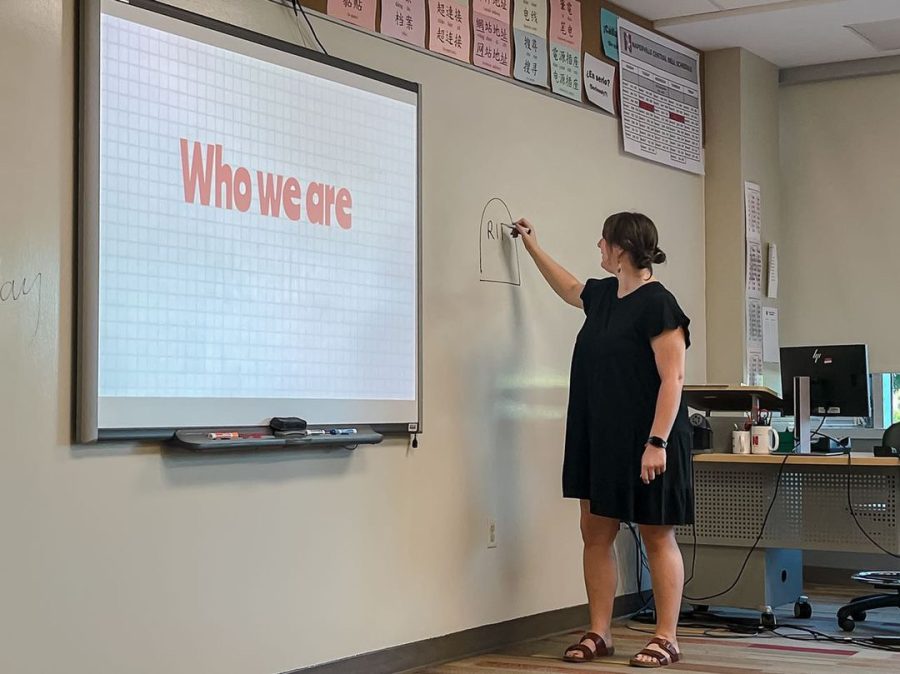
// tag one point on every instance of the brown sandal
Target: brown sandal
(600, 649)
(671, 656)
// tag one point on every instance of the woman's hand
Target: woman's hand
(653, 463)
(526, 230)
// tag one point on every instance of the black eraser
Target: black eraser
(287, 424)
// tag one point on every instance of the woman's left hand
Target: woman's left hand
(653, 463)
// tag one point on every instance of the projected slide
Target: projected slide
(258, 230)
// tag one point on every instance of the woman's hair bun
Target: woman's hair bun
(658, 257)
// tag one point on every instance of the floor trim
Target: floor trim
(468, 642)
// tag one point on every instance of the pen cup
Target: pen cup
(740, 442)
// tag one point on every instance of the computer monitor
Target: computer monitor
(839, 384)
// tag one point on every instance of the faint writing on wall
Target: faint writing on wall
(20, 290)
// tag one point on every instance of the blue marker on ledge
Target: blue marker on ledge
(342, 431)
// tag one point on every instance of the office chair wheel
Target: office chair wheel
(847, 624)
(803, 609)
(768, 620)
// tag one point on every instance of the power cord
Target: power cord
(297, 5)
(862, 642)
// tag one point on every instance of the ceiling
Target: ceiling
(787, 33)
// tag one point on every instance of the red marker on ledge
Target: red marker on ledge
(230, 435)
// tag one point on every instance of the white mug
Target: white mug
(740, 442)
(764, 440)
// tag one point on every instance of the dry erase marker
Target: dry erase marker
(231, 435)
(315, 431)
(342, 431)
(515, 232)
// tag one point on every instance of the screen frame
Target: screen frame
(87, 262)
(790, 355)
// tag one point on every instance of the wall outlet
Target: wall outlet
(492, 533)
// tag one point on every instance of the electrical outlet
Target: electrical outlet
(492, 533)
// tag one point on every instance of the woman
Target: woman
(627, 453)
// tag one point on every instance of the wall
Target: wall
(724, 218)
(742, 145)
(118, 558)
(839, 149)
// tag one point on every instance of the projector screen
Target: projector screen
(250, 231)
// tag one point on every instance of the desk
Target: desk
(732, 494)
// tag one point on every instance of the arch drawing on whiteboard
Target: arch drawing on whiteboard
(497, 250)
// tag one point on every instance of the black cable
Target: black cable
(693, 527)
(639, 572)
(721, 627)
(296, 4)
(853, 512)
(755, 543)
(862, 642)
(761, 529)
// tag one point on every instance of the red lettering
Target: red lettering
(269, 195)
(292, 198)
(329, 202)
(194, 174)
(342, 208)
(314, 203)
(242, 189)
(223, 177)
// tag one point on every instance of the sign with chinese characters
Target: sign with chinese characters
(404, 20)
(358, 12)
(497, 9)
(490, 20)
(449, 28)
(565, 48)
(530, 37)
(492, 49)
(531, 58)
(565, 70)
(565, 23)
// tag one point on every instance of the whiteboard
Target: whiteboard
(253, 212)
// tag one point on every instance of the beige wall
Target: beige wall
(724, 218)
(841, 208)
(121, 559)
(742, 145)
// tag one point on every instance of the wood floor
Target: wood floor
(709, 653)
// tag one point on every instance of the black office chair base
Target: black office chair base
(887, 581)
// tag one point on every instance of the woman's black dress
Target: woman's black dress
(612, 402)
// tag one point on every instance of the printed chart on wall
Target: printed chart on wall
(753, 283)
(660, 98)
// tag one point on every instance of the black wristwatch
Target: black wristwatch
(657, 441)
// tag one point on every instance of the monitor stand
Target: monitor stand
(827, 452)
(822, 446)
(802, 428)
